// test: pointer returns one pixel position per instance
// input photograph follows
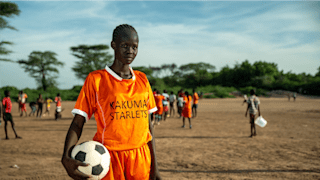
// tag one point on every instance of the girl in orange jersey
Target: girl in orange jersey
(187, 110)
(158, 114)
(121, 100)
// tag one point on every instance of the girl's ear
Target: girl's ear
(113, 45)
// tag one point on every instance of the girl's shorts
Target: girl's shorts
(131, 164)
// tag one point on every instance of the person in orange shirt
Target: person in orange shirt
(121, 100)
(195, 103)
(158, 114)
(7, 106)
(24, 97)
(187, 111)
(58, 100)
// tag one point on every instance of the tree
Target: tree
(196, 68)
(7, 9)
(318, 73)
(143, 69)
(41, 66)
(91, 58)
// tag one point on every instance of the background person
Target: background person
(40, 102)
(253, 108)
(58, 100)
(195, 98)
(33, 108)
(187, 110)
(48, 101)
(165, 104)
(7, 117)
(24, 97)
(172, 100)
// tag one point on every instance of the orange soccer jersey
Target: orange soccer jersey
(159, 104)
(187, 110)
(195, 98)
(58, 101)
(121, 108)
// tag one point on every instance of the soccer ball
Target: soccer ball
(96, 155)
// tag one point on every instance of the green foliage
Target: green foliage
(91, 58)
(143, 69)
(8, 10)
(211, 96)
(41, 66)
(318, 73)
(33, 94)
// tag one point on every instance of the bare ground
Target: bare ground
(217, 147)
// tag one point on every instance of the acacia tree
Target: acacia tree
(41, 66)
(8, 10)
(92, 58)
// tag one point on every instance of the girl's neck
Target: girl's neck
(123, 70)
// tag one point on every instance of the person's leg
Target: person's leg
(38, 110)
(251, 124)
(5, 128)
(183, 122)
(193, 109)
(14, 130)
(190, 123)
(173, 110)
(40, 107)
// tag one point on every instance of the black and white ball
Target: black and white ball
(96, 155)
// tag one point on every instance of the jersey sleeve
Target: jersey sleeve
(85, 105)
(257, 101)
(151, 102)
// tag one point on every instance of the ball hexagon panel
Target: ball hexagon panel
(81, 156)
(100, 149)
(96, 170)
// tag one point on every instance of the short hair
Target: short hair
(6, 92)
(252, 92)
(171, 92)
(58, 94)
(119, 30)
(186, 93)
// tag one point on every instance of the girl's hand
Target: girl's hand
(71, 166)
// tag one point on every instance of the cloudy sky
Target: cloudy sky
(220, 33)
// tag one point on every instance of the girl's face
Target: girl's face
(126, 47)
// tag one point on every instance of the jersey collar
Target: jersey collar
(115, 75)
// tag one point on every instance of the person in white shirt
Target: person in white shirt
(165, 104)
(253, 107)
(172, 100)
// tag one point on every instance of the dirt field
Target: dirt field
(217, 147)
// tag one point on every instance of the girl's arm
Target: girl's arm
(72, 138)
(154, 171)
(247, 110)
